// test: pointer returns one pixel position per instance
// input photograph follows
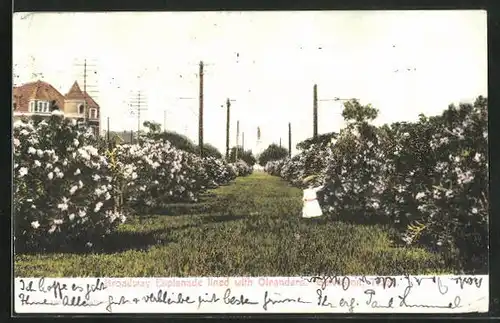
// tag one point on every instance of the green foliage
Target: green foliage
(273, 152)
(153, 127)
(356, 113)
(247, 155)
(210, 151)
(322, 140)
(177, 140)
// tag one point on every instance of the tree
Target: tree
(273, 152)
(153, 127)
(247, 156)
(354, 112)
(211, 151)
(321, 140)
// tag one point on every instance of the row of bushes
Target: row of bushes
(71, 189)
(428, 179)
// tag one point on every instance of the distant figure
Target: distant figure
(311, 208)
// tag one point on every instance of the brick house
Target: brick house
(40, 98)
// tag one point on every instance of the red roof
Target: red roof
(38, 90)
(75, 93)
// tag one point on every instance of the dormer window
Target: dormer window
(93, 113)
(39, 107)
(81, 109)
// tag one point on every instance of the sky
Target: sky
(268, 62)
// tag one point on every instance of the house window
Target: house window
(39, 107)
(15, 105)
(93, 113)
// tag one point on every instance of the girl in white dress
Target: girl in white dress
(311, 208)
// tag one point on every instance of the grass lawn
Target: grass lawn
(251, 227)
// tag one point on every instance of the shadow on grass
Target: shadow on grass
(118, 241)
(133, 240)
(222, 218)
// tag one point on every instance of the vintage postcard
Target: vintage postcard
(250, 162)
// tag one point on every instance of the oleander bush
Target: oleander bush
(428, 179)
(72, 190)
(62, 184)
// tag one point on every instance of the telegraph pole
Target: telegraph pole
(315, 111)
(237, 140)
(165, 121)
(243, 141)
(280, 142)
(228, 120)
(200, 117)
(289, 140)
(228, 104)
(86, 66)
(138, 104)
(107, 134)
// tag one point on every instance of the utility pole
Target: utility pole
(315, 111)
(289, 140)
(237, 140)
(228, 104)
(138, 104)
(200, 117)
(86, 66)
(280, 142)
(107, 134)
(243, 141)
(165, 121)
(228, 120)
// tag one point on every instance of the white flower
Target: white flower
(35, 224)
(134, 175)
(71, 216)
(58, 221)
(16, 142)
(77, 172)
(73, 189)
(52, 229)
(23, 171)
(62, 206)
(39, 152)
(57, 113)
(474, 210)
(98, 206)
(107, 196)
(89, 244)
(32, 151)
(82, 213)
(477, 157)
(50, 175)
(76, 142)
(80, 184)
(420, 195)
(37, 163)
(96, 177)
